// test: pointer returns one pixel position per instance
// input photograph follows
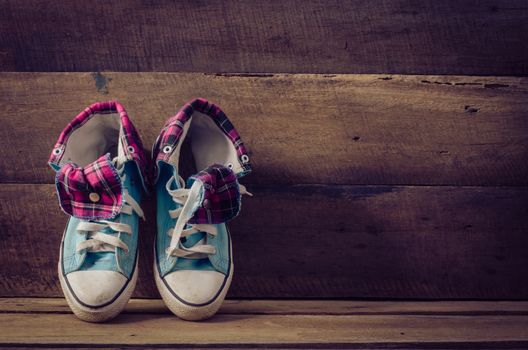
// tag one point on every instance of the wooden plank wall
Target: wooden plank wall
(366, 185)
(470, 37)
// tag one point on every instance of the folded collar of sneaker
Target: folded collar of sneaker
(174, 132)
(129, 139)
(93, 192)
(220, 197)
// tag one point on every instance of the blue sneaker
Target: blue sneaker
(100, 165)
(193, 264)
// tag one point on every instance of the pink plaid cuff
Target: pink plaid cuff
(173, 129)
(132, 145)
(221, 196)
(90, 193)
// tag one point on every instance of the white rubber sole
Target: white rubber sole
(99, 314)
(189, 312)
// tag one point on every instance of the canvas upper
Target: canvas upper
(100, 169)
(196, 210)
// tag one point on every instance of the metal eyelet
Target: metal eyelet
(57, 151)
(245, 158)
(131, 149)
(230, 165)
(167, 149)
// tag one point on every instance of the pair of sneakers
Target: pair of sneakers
(101, 173)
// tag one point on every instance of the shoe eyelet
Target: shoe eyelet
(245, 158)
(131, 149)
(230, 165)
(167, 149)
(57, 151)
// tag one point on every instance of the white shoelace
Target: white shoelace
(187, 198)
(99, 241)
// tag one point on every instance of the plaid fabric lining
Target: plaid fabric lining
(93, 192)
(173, 129)
(221, 198)
(130, 139)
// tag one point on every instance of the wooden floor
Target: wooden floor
(47, 322)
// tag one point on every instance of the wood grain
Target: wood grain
(300, 129)
(293, 307)
(281, 324)
(383, 36)
(318, 241)
(264, 330)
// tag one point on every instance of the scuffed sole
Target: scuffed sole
(188, 312)
(104, 313)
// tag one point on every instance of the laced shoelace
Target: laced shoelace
(187, 198)
(99, 241)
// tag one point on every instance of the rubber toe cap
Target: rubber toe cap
(195, 286)
(96, 288)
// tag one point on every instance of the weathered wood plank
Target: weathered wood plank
(343, 129)
(262, 330)
(408, 37)
(294, 307)
(318, 241)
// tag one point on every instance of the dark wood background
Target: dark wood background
(410, 181)
(470, 37)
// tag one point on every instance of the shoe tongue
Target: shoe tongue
(193, 239)
(220, 195)
(120, 147)
(92, 192)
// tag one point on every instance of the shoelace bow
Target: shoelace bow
(99, 241)
(187, 199)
